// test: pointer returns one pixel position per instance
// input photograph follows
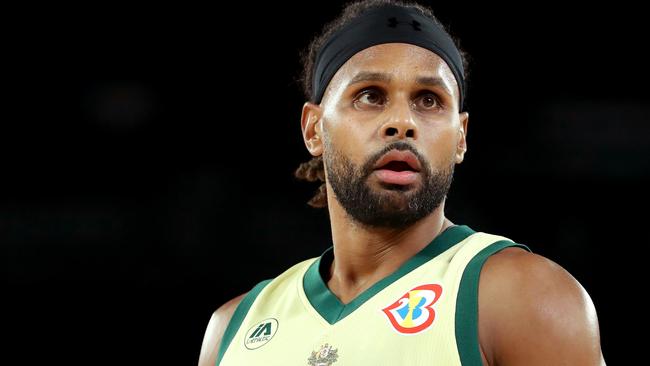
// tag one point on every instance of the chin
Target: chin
(395, 200)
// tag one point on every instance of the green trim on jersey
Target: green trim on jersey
(467, 304)
(333, 310)
(238, 316)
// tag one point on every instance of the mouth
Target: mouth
(398, 167)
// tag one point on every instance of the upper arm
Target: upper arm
(215, 329)
(533, 312)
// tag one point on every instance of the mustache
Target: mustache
(368, 167)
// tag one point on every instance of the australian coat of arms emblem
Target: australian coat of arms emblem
(326, 356)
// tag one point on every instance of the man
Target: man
(402, 284)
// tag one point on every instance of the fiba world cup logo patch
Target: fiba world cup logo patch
(413, 312)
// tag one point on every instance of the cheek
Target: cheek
(441, 146)
(345, 146)
(348, 139)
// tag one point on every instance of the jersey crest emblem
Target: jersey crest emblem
(413, 312)
(325, 356)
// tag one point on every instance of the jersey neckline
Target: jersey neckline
(333, 310)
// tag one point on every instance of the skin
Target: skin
(531, 310)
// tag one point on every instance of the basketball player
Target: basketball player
(402, 284)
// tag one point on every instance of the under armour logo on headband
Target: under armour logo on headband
(392, 22)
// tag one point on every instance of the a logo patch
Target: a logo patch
(413, 312)
(326, 356)
(261, 333)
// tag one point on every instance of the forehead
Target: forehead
(402, 61)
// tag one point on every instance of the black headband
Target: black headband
(385, 24)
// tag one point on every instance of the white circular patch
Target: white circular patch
(261, 333)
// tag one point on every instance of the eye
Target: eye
(370, 96)
(428, 100)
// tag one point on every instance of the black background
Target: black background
(148, 157)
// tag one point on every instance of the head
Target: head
(390, 96)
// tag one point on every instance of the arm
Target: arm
(214, 332)
(533, 312)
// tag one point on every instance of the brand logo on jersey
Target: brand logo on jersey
(325, 356)
(261, 333)
(413, 312)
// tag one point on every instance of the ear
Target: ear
(312, 128)
(461, 148)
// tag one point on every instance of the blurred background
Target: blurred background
(148, 158)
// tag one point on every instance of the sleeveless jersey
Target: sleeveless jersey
(425, 313)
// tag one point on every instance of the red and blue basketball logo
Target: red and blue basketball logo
(413, 312)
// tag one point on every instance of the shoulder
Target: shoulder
(534, 312)
(215, 329)
(221, 317)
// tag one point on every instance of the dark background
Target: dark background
(148, 157)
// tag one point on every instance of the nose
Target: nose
(400, 124)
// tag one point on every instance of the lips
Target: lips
(398, 161)
(398, 167)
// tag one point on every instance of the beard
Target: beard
(384, 205)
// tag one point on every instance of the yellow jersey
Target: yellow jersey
(425, 313)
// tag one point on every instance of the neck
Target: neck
(363, 255)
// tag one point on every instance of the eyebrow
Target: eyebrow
(432, 81)
(370, 76)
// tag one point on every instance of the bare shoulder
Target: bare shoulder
(215, 329)
(533, 312)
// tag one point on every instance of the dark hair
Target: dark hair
(313, 169)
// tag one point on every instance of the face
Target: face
(390, 97)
